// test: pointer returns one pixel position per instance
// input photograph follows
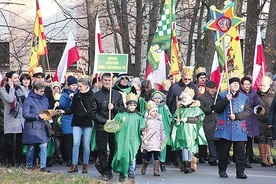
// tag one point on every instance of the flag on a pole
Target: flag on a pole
(175, 55)
(259, 67)
(69, 56)
(38, 45)
(98, 44)
(215, 70)
(162, 37)
(159, 75)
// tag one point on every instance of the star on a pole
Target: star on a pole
(224, 22)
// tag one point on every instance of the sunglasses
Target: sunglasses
(186, 79)
(122, 78)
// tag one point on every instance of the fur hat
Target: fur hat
(38, 71)
(72, 80)
(151, 106)
(234, 79)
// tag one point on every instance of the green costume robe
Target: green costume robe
(166, 119)
(188, 135)
(127, 141)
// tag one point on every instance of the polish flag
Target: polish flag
(215, 70)
(69, 57)
(159, 75)
(98, 45)
(259, 67)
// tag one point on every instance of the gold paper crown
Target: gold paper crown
(189, 91)
(200, 70)
(151, 105)
(131, 97)
(188, 70)
(266, 80)
(166, 82)
(56, 84)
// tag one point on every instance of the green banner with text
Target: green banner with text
(114, 63)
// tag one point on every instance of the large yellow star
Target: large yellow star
(224, 22)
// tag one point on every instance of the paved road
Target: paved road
(205, 174)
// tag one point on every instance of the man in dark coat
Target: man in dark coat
(207, 101)
(100, 107)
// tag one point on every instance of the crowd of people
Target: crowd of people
(183, 123)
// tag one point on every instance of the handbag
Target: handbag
(50, 130)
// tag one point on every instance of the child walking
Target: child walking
(187, 131)
(153, 136)
(128, 139)
(163, 109)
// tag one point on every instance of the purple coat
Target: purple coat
(252, 122)
(34, 128)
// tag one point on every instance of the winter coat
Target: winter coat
(232, 130)
(154, 134)
(65, 103)
(265, 100)
(175, 91)
(35, 128)
(13, 123)
(80, 109)
(272, 117)
(99, 106)
(251, 122)
(210, 120)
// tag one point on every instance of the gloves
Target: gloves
(212, 107)
(184, 120)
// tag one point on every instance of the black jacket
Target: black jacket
(175, 91)
(81, 110)
(99, 106)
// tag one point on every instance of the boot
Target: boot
(263, 155)
(269, 156)
(74, 168)
(60, 159)
(193, 164)
(163, 166)
(144, 167)
(187, 168)
(84, 168)
(155, 168)
(247, 162)
(180, 163)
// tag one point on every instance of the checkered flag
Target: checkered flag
(163, 32)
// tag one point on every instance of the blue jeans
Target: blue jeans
(30, 155)
(77, 133)
(187, 155)
(132, 167)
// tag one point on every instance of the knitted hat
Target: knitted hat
(157, 94)
(72, 80)
(151, 106)
(56, 84)
(201, 84)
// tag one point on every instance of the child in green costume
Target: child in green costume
(128, 139)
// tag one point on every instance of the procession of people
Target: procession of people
(118, 127)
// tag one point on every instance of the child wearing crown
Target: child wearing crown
(187, 131)
(153, 137)
(128, 139)
(158, 98)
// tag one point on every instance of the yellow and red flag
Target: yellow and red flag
(38, 45)
(175, 55)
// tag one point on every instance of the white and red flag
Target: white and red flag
(98, 44)
(259, 67)
(69, 57)
(215, 70)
